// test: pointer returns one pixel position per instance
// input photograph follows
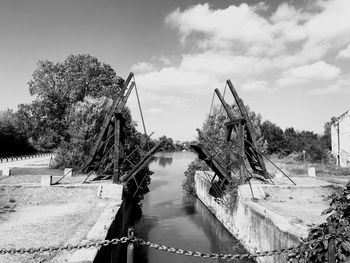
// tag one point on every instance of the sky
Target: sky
(288, 60)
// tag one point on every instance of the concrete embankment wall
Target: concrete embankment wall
(253, 225)
(101, 230)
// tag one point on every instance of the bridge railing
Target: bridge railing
(23, 157)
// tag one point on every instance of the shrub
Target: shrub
(188, 183)
(337, 226)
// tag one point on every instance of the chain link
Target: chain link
(133, 239)
(212, 255)
(89, 244)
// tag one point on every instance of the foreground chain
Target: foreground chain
(213, 255)
(145, 243)
(32, 250)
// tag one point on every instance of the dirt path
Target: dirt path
(34, 216)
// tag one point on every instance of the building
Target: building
(340, 134)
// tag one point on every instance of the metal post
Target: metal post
(331, 250)
(228, 148)
(130, 248)
(118, 146)
(338, 135)
(116, 150)
(241, 149)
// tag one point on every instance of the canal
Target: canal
(171, 218)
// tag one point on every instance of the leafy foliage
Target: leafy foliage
(188, 183)
(84, 121)
(169, 143)
(57, 87)
(213, 136)
(273, 135)
(289, 141)
(337, 226)
(12, 141)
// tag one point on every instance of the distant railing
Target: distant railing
(23, 157)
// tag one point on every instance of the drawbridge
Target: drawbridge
(108, 151)
(240, 136)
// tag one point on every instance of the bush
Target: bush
(337, 226)
(12, 141)
(188, 183)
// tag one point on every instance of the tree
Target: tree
(273, 136)
(169, 143)
(11, 140)
(291, 141)
(85, 120)
(213, 137)
(326, 136)
(59, 86)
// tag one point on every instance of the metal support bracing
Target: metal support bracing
(259, 167)
(215, 165)
(137, 168)
(227, 108)
(256, 162)
(108, 126)
(241, 148)
(118, 146)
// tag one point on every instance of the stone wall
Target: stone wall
(340, 134)
(255, 227)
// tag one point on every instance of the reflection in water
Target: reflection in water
(172, 219)
(164, 161)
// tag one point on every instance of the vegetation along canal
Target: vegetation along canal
(171, 218)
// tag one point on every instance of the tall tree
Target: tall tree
(326, 136)
(59, 86)
(273, 136)
(11, 140)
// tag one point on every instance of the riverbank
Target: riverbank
(278, 218)
(32, 215)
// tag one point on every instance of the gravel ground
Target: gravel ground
(34, 216)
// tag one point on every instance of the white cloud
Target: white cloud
(179, 102)
(203, 72)
(312, 72)
(243, 29)
(256, 86)
(142, 67)
(154, 110)
(224, 64)
(324, 91)
(330, 26)
(245, 43)
(342, 85)
(235, 23)
(175, 79)
(166, 61)
(345, 53)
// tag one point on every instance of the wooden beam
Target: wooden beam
(229, 112)
(234, 122)
(118, 104)
(142, 163)
(250, 135)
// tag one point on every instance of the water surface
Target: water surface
(171, 218)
